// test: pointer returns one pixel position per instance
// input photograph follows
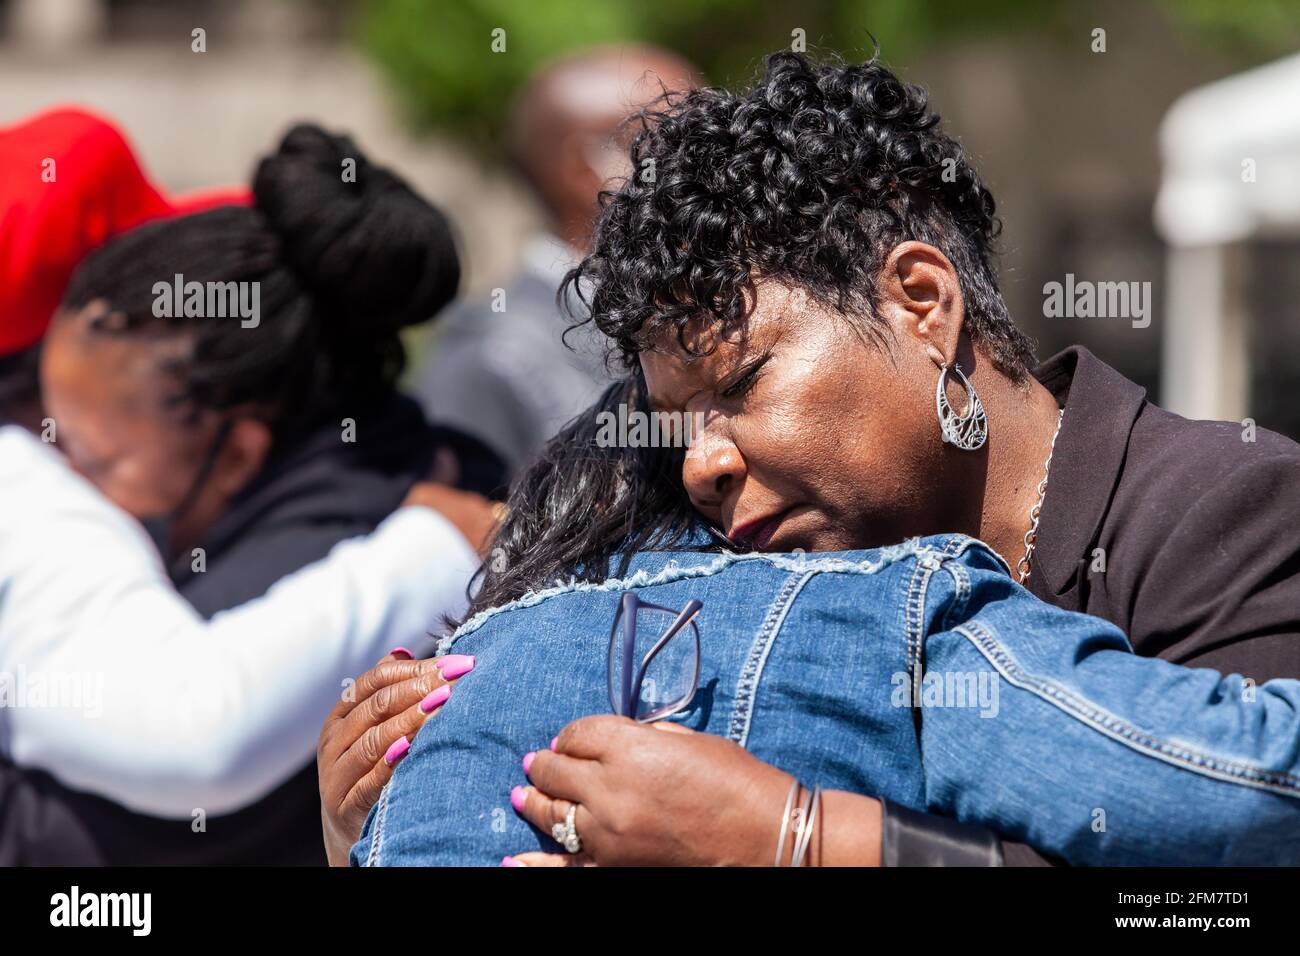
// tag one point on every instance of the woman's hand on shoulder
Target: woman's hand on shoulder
(369, 731)
(657, 794)
(663, 795)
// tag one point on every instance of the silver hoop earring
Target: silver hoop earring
(969, 431)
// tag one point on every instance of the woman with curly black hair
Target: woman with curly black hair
(807, 266)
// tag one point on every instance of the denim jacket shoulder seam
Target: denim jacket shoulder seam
(377, 829)
(914, 616)
(918, 589)
(956, 609)
(1120, 730)
(751, 673)
(959, 544)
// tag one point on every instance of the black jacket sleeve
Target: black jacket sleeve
(909, 838)
(38, 826)
(1204, 575)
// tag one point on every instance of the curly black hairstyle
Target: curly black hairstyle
(811, 177)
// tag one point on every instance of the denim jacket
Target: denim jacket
(920, 673)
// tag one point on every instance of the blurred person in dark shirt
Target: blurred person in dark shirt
(502, 367)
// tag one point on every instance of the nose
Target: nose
(712, 470)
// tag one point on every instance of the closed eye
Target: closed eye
(747, 379)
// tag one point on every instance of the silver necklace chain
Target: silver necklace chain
(1023, 566)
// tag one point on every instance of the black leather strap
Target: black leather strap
(909, 838)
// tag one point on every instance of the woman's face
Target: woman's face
(109, 398)
(813, 437)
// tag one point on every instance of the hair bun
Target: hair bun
(375, 255)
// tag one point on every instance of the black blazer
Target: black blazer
(1195, 525)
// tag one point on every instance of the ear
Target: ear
(920, 295)
(244, 454)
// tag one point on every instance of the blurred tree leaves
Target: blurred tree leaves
(438, 52)
(1248, 31)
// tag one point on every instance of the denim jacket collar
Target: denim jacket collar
(1101, 406)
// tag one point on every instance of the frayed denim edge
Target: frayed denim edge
(674, 572)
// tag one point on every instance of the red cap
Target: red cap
(69, 183)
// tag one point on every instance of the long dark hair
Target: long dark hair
(342, 263)
(582, 509)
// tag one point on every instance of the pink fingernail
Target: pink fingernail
(397, 751)
(511, 861)
(554, 741)
(401, 653)
(528, 759)
(455, 665)
(518, 797)
(435, 699)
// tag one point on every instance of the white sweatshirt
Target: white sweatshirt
(110, 681)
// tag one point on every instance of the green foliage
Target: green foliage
(438, 52)
(1245, 30)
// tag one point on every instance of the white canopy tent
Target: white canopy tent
(1231, 156)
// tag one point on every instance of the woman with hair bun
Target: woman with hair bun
(229, 379)
(262, 438)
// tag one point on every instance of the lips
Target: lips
(758, 533)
